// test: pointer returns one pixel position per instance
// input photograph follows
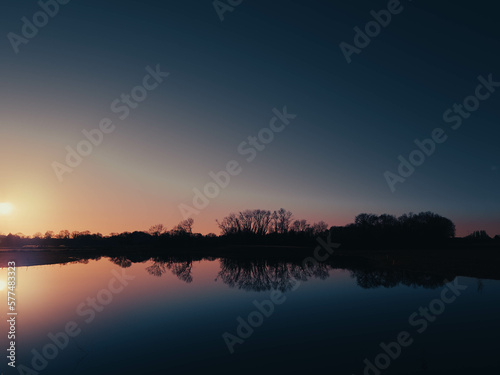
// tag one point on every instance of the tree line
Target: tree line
(409, 230)
(265, 227)
(263, 222)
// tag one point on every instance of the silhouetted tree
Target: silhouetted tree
(64, 235)
(479, 235)
(157, 230)
(300, 225)
(281, 221)
(246, 222)
(319, 227)
(423, 229)
(185, 227)
(366, 220)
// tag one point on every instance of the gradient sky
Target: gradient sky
(353, 120)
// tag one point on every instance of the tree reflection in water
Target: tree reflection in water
(264, 274)
(181, 269)
(390, 278)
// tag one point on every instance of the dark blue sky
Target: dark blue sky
(353, 120)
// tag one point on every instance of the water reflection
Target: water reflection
(121, 261)
(181, 269)
(389, 278)
(264, 274)
(334, 318)
(257, 273)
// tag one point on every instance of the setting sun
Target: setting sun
(6, 208)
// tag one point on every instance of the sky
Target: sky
(227, 80)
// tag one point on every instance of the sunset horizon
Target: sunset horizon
(249, 187)
(8, 214)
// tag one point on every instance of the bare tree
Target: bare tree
(229, 225)
(64, 234)
(157, 230)
(38, 236)
(258, 222)
(188, 225)
(283, 220)
(184, 227)
(300, 225)
(319, 227)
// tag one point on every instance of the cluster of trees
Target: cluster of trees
(156, 234)
(425, 228)
(481, 236)
(263, 227)
(184, 228)
(244, 228)
(264, 222)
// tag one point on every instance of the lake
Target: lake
(248, 316)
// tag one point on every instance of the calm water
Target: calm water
(171, 318)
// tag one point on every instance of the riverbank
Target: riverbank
(477, 262)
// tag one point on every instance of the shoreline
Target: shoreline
(475, 262)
